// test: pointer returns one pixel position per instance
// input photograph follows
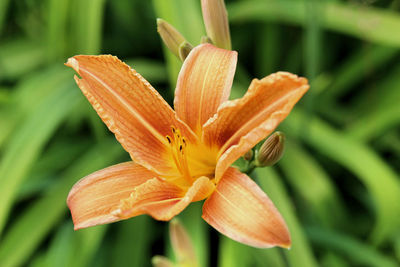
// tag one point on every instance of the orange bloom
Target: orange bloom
(184, 155)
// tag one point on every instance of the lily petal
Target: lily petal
(239, 209)
(240, 124)
(163, 200)
(94, 199)
(204, 82)
(131, 108)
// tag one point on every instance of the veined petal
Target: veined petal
(240, 124)
(204, 82)
(163, 200)
(239, 209)
(94, 199)
(132, 109)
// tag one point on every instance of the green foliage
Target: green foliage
(337, 185)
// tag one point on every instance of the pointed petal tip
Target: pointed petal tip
(239, 209)
(72, 63)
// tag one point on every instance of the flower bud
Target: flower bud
(272, 150)
(216, 21)
(206, 40)
(181, 244)
(170, 36)
(184, 50)
(160, 261)
(249, 155)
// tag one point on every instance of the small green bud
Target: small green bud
(171, 37)
(249, 155)
(206, 40)
(215, 19)
(184, 50)
(161, 261)
(272, 150)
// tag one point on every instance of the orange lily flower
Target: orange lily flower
(184, 155)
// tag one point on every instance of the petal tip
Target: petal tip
(73, 63)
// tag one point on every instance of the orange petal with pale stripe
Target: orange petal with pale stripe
(94, 199)
(204, 82)
(163, 200)
(239, 209)
(240, 124)
(131, 108)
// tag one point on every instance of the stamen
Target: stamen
(178, 144)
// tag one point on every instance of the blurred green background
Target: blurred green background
(337, 185)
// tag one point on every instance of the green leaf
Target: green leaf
(197, 230)
(28, 141)
(152, 71)
(233, 254)
(322, 198)
(357, 252)
(361, 21)
(132, 246)
(20, 56)
(300, 254)
(381, 181)
(87, 25)
(57, 21)
(3, 11)
(35, 223)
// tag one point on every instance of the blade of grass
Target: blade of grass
(356, 68)
(37, 224)
(300, 254)
(55, 159)
(233, 254)
(3, 11)
(86, 245)
(36, 86)
(138, 253)
(198, 231)
(322, 198)
(379, 178)
(86, 22)
(61, 247)
(19, 57)
(357, 252)
(365, 22)
(333, 260)
(57, 20)
(152, 71)
(28, 141)
(268, 49)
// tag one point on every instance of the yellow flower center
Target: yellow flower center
(178, 146)
(191, 160)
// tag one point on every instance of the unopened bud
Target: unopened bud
(249, 155)
(181, 243)
(272, 150)
(170, 36)
(206, 40)
(160, 261)
(216, 21)
(184, 50)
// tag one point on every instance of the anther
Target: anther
(169, 139)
